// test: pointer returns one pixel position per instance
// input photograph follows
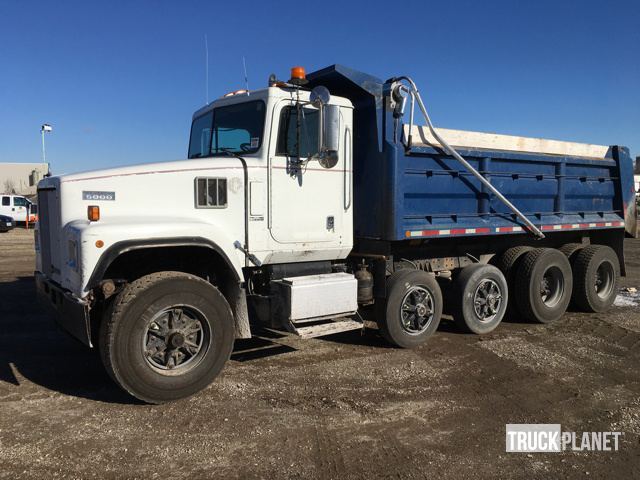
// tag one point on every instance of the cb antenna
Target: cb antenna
(206, 68)
(246, 77)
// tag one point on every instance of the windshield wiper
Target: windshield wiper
(232, 153)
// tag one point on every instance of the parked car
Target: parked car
(6, 223)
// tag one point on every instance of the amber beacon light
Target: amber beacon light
(298, 76)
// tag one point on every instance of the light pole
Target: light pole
(44, 129)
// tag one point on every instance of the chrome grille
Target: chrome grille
(46, 206)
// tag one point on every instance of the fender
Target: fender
(236, 295)
(117, 249)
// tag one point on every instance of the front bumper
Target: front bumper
(72, 314)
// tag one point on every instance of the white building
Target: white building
(21, 178)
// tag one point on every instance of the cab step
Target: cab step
(329, 328)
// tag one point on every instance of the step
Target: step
(330, 328)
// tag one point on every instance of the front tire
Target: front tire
(166, 336)
(412, 309)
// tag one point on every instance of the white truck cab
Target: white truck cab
(246, 198)
(17, 207)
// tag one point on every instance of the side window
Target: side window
(19, 202)
(211, 192)
(287, 132)
(200, 141)
(6, 201)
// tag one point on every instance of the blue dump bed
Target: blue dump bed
(407, 192)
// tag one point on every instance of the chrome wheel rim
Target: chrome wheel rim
(552, 287)
(175, 340)
(487, 300)
(416, 310)
(604, 280)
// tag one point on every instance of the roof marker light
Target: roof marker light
(236, 92)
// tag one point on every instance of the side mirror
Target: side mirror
(328, 127)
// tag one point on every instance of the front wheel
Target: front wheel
(412, 309)
(166, 336)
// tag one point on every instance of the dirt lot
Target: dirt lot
(346, 406)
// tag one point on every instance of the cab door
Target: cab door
(19, 209)
(305, 200)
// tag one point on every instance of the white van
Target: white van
(17, 207)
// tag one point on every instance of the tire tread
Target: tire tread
(522, 280)
(583, 260)
(114, 314)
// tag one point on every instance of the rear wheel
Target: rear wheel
(480, 298)
(166, 336)
(412, 309)
(596, 271)
(507, 262)
(543, 285)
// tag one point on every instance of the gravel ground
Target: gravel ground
(345, 406)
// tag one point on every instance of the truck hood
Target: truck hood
(136, 203)
(168, 167)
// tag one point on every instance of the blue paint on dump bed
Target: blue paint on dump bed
(401, 193)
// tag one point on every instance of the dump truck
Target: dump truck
(321, 204)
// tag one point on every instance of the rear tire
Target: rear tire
(480, 298)
(596, 271)
(508, 262)
(412, 309)
(544, 283)
(570, 249)
(166, 336)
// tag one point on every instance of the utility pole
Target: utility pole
(46, 128)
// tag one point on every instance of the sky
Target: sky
(119, 80)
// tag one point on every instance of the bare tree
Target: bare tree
(9, 186)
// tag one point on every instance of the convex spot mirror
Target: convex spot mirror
(328, 126)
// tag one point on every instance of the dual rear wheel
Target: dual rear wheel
(544, 281)
(536, 284)
(480, 298)
(413, 308)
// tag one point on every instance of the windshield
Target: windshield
(235, 128)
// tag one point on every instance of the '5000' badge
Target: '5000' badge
(105, 196)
